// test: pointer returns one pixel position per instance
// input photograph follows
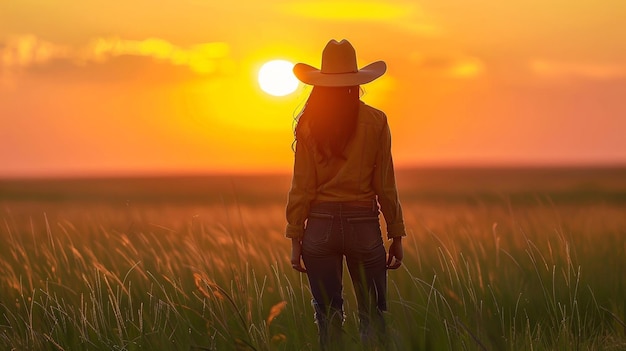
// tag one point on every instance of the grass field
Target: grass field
(509, 259)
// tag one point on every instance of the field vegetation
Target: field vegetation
(517, 259)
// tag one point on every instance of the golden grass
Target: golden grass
(492, 272)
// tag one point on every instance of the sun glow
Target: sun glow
(276, 78)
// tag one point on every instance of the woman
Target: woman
(343, 173)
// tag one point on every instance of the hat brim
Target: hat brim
(313, 76)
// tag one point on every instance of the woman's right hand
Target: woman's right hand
(296, 255)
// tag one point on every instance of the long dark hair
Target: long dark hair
(330, 115)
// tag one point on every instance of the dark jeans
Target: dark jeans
(335, 230)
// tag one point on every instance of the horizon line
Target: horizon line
(129, 174)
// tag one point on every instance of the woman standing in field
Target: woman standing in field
(343, 173)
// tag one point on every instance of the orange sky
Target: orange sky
(103, 87)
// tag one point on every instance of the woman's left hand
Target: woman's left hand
(396, 254)
(296, 255)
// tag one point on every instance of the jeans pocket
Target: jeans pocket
(318, 228)
(365, 232)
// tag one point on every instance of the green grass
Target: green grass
(479, 274)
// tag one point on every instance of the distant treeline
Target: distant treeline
(518, 185)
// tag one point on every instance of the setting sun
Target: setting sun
(276, 78)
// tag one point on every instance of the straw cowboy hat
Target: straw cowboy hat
(339, 68)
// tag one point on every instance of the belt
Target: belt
(369, 203)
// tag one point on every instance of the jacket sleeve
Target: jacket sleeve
(302, 190)
(384, 183)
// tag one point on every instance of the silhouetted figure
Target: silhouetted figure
(343, 174)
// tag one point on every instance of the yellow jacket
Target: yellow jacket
(367, 173)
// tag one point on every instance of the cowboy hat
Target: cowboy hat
(339, 68)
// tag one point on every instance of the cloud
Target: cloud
(565, 69)
(203, 58)
(407, 16)
(28, 50)
(459, 66)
